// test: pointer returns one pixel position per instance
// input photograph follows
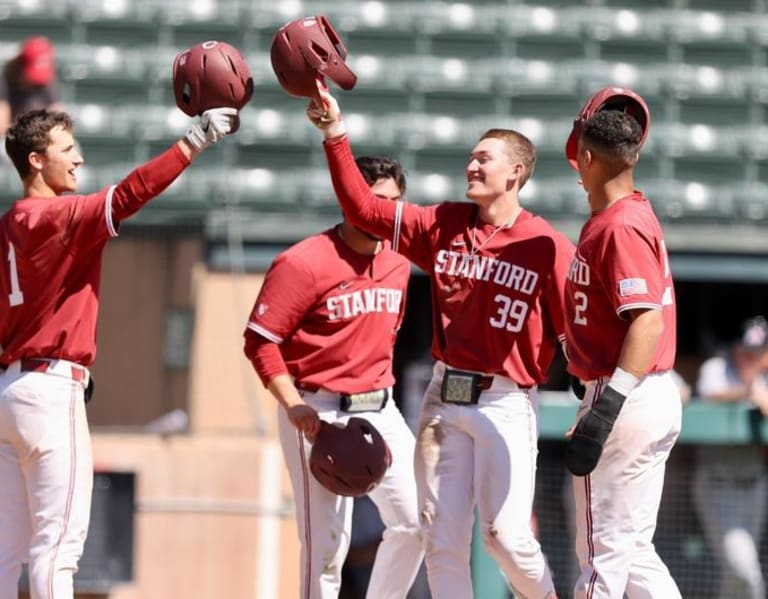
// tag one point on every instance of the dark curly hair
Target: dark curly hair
(374, 168)
(29, 133)
(615, 136)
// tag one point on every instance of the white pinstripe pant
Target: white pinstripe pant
(46, 477)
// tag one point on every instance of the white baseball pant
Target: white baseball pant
(324, 519)
(484, 454)
(618, 503)
(46, 477)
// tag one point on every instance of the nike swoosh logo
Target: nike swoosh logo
(458, 243)
(344, 285)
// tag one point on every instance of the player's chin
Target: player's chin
(476, 193)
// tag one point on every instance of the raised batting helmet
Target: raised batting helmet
(211, 75)
(349, 460)
(608, 98)
(305, 48)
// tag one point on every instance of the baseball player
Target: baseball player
(321, 337)
(497, 274)
(51, 247)
(730, 487)
(620, 338)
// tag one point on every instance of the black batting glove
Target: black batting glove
(578, 388)
(586, 444)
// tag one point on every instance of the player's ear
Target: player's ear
(35, 161)
(515, 174)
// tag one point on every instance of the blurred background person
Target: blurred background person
(29, 81)
(730, 482)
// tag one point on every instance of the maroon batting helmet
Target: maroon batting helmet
(608, 98)
(349, 460)
(305, 48)
(211, 75)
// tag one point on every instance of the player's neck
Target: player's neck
(611, 191)
(36, 187)
(357, 240)
(499, 213)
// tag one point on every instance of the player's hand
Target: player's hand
(324, 112)
(304, 418)
(588, 437)
(214, 125)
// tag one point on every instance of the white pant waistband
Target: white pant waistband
(64, 368)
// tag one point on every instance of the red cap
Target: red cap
(37, 60)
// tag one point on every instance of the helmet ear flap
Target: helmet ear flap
(305, 49)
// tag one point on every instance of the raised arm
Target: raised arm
(152, 178)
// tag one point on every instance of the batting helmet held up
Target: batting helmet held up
(211, 75)
(608, 98)
(349, 460)
(305, 48)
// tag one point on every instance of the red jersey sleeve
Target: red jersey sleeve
(286, 295)
(146, 182)
(554, 290)
(403, 223)
(265, 356)
(634, 276)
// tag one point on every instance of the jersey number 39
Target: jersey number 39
(510, 315)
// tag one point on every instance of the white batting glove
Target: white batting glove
(214, 124)
(325, 114)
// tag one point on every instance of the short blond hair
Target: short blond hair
(519, 149)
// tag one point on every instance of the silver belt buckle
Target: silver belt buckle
(365, 401)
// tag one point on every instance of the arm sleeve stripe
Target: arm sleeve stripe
(626, 307)
(264, 332)
(398, 220)
(108, 211)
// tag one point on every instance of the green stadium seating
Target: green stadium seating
(432, 76)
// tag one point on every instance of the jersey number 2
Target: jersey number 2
(15, 297)
(580, 307)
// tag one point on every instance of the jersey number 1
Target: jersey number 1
(15, 297)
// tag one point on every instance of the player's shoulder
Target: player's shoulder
(534, 224)
(310, 250)
(36, 212)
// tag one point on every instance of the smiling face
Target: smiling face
(490, 170)
(58, 162)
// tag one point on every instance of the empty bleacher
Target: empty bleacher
(433, 75)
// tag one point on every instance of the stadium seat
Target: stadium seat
(684, 81)
(750, 200)
(753, 140)
(519, 77)
(193, 21)
(101, 121)
(22, 18)
(698, 140)
(104, 74)
(430, 73)
(635, 24)
(523, 21)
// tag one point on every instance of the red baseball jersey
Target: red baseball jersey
(497, 292)
(51, 267)
(334, 312)
(621, 264)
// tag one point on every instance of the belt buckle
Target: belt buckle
(460, 387)
(365, 401)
